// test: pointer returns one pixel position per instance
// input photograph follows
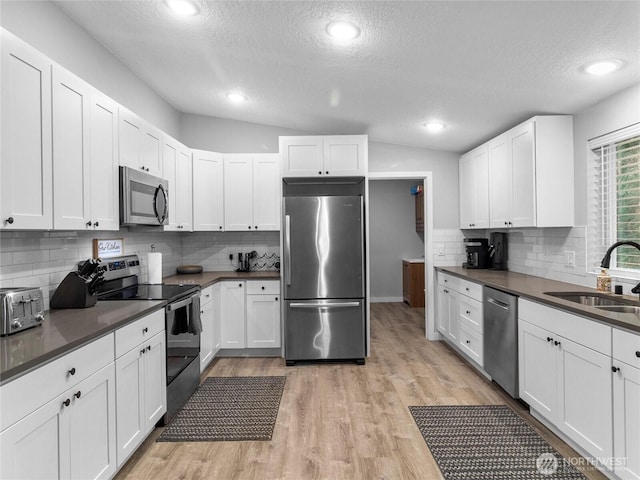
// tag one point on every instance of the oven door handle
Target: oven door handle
(181, 303)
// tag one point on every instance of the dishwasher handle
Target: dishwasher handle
(498, 303)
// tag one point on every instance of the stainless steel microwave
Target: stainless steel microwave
(144, 199)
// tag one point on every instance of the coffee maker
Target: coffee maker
(477, 253)
(498, 250)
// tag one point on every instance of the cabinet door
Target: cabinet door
(151, 150)
(238, 192)
(481, 188)
(302, 156)
(537, 369)
(499, 182)
(155, 380)
(232, 315)
(523, 176)
(38, 445)
(345, 155)
(626, 420)
(184, 181)
(453, 325)
(588, 423)
(267, 199)
(131, 423)
(208, 198)
(104, 163)
(466, 185)
(71, 161)
(129, 132)
(170, 170)
(442, 310)
(25, 137)
(217, 319)
(207, 336)
(92, 426)
(263, 321)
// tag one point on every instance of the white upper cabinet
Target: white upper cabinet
(140, 144)
(334, 155)
(177, 170)
(208, 196)
(104, 162)
(251, 192)
(531, 174)
(71, 162)
(25, 137)
(85, 169)
(238, 192)
(474, 188)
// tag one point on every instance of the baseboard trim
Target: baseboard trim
(386, 300)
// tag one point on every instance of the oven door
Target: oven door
(143, 198)
(183, 328)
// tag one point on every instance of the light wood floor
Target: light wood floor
(341, 421)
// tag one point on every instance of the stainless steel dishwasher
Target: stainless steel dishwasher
(501, 339)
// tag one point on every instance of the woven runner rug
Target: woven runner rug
(488, 442)
(228, 409)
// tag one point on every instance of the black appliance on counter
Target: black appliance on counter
(477, 250)
(182, 323)
(498, 250)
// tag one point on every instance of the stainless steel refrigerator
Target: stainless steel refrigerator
(323, 265)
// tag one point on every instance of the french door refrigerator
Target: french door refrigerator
(323, 263)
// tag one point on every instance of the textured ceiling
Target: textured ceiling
(479, 66)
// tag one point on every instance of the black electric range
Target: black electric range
(146, 291)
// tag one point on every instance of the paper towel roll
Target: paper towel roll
(154, 264)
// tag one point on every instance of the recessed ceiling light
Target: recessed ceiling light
(182, 7)
(236, 97)
(343, 31)
(434, 127)
(603, 68)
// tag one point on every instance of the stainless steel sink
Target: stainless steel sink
(600, 300)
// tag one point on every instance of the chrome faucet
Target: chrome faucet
(606, 260)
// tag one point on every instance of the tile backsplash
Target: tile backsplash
(43, 259)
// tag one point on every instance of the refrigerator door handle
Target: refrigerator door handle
(325, 305)
(287, 249)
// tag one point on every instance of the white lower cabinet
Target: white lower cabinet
(565, 374)
(72, 436)
(141, 398)
(250, 314)
(447, 313)
(210, 315)
(626, 404)
(263, 314)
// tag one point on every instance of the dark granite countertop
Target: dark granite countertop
(65, 330)
(205, 279)
(534, 288)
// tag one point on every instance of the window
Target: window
(614, 210)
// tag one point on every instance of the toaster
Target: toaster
(22, 308)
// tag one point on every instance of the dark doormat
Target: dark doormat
(228, 409)
(488, 442)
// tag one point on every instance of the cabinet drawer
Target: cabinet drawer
(29, 392)
(470, 289)
(449, 281)
(581, 330)
(470, 313)
(258, 287)
(206, 295)
(626, 347)
(139, 331)
(470, 342)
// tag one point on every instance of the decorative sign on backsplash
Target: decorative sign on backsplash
(108, 247)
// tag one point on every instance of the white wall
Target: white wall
(392, 236)
(43, 26)
(386, 157)
(618, 111)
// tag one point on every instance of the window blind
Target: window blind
(614, 194)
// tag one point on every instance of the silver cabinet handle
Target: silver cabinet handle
(325, 305)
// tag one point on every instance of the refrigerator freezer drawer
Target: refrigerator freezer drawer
(324, 329)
